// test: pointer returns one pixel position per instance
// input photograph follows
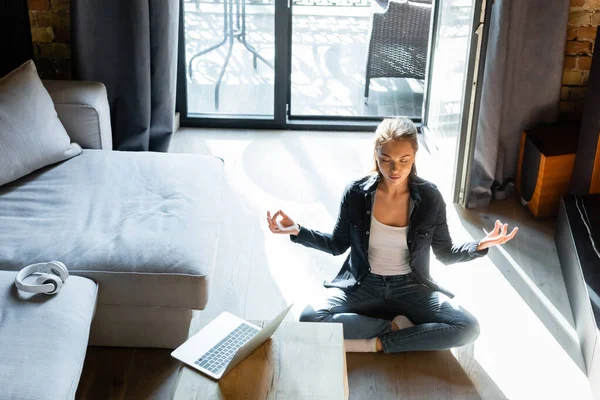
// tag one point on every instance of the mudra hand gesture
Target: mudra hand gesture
(497, 237)
(284, 225)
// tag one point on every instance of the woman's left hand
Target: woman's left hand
(497, 236)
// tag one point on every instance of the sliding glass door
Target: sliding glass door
(349, 63)
(452, 96)
(229, 58)
(359, 58)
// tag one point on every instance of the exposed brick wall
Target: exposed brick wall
(51, 33)
(584, 19)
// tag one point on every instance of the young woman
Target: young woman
(384, 295)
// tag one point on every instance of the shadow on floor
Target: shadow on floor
(432, 375)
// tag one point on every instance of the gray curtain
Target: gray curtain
(131, 47)
(15, 35)
(521, 88)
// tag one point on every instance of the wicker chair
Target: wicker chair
(398, 41)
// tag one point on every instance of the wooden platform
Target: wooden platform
(301, 361)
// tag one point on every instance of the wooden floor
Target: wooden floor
(527, 348)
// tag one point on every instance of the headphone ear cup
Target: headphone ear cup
(51, 279)
(59, 269)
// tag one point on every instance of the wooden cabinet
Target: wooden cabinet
(545, 166)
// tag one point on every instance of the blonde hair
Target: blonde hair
(395, 129)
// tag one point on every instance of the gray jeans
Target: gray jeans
(367, 312)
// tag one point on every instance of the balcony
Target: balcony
(330, 42)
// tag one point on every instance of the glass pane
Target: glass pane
(230, 51)
(450, 68)
(339, 45)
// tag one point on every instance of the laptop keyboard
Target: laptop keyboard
(219, 356)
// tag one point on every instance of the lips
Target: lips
(394, 177)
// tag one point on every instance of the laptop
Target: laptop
(225, 342)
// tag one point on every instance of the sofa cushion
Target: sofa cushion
(144, 226)
(43, 339)
(31, 135)
(83, 109)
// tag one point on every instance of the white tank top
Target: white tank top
(388, 250)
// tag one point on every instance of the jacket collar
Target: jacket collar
(370, 186)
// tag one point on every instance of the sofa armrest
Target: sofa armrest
(83, 109)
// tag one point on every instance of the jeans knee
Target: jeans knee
(469, 330)
(309, 314)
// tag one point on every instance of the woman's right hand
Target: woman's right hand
(285, 225)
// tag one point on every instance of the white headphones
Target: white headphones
(53, 275)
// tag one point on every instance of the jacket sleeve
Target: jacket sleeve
(443, 248)
(335, 243)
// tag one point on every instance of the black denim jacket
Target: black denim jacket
(427, 229)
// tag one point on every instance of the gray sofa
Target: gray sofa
(143, 227)
(43, 339)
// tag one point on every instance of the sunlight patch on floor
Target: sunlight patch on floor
(555, 313)
(515, 349)
(297, 280)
